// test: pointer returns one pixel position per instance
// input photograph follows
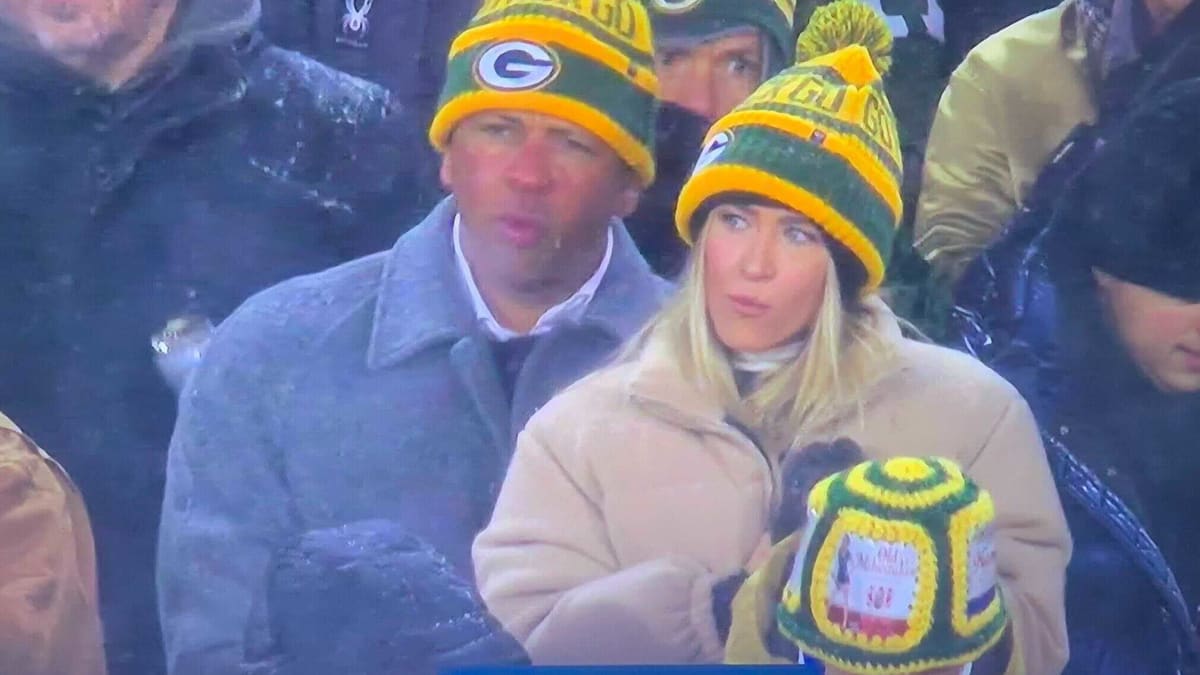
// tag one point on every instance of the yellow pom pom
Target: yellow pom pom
(843, 23)
(907, 469)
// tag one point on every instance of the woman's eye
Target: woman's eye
(733, 221)
(799, 235)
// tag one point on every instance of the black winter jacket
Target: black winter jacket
(228, 167)
(1116, 447)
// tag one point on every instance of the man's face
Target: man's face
(69, 29)
(535, 193)
(1160, 333)
(710, 78)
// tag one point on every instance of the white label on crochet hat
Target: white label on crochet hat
(981, 572)
(873, 586)
(516, 66)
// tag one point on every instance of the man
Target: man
(49, 620)
(157, 160)
(1017, 97)
(393, 387)
(709, 56)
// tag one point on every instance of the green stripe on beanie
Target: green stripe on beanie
(588, 82)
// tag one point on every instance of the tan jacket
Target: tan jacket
(1007, 107)
(628, 497)
(49, 621)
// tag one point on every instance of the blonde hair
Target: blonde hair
(845, 353)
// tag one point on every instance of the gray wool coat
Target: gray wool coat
(365, 391)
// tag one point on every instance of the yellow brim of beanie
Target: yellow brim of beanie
(723, 178)
(627, 147)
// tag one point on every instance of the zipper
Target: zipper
(738, 431)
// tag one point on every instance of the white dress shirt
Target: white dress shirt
(568, 311)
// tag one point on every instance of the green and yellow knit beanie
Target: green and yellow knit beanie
(819, 138)
(896, 570)
(701, 18)
(590, 63)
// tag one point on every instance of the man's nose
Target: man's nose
(530, 168)
(698, 95)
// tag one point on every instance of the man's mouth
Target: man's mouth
(522, 231)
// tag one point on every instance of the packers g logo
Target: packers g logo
(516, 66)
(712, 150)
(675, 6)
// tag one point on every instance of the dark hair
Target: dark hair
(852, 274)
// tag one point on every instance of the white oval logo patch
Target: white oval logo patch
(713, 149)
(516, 66)
(675, 6)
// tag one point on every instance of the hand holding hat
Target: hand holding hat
(896, 571)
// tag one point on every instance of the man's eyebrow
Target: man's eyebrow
(749, 52)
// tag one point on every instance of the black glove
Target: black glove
(370, 599)
(804, 468)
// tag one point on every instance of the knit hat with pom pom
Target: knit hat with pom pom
(896, 570)
(819, 138)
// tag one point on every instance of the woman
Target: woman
(638, 499)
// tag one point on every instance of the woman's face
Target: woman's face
(764, 275)
(1160, 332)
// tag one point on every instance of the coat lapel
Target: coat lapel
(476, 369)
(422, 304)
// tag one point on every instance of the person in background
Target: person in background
(160, 160)
(1015, 99)
(968, 22)
(638, 499)
(393, 387)
(710, 55)
(1105, 342)
(399, 44)
(49, 609)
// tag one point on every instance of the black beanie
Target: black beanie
(1134, 210)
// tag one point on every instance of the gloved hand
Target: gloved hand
(371, 599)
(801, 470)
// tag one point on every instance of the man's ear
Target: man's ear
(630, 197)
(445, 171)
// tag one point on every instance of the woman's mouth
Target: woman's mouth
(746, 306)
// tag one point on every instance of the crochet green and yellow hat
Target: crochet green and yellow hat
(700, 18)
(896, 570)
(819, 138)
(590, 63)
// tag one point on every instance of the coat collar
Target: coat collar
(422, 301)
(656, 384)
